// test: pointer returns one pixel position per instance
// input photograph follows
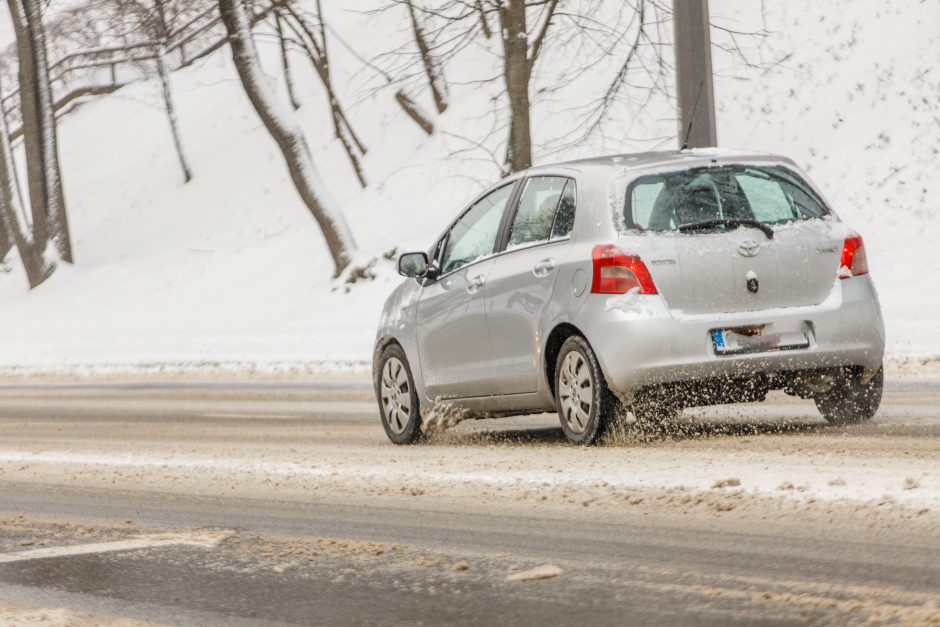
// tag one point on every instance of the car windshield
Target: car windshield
(719, 198)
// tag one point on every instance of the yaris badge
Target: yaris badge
(748, 248)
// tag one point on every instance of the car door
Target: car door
(454, 346)
(520, 284)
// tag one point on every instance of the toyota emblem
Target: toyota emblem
(749, 248)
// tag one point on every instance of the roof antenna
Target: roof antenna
(685, 142)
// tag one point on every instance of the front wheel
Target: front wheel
(398, 400)
(584, 402)
(852, 399)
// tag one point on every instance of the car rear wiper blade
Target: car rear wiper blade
(732, 223)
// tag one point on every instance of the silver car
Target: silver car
(649, 283)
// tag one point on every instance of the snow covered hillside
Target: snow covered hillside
(230, 269)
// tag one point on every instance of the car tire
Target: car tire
(584, 403)
(398, 400)
(850, 400)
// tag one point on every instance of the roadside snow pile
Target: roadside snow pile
(19, 616)
(230, 270)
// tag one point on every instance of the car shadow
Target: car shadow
(632, 434)
(680, 430)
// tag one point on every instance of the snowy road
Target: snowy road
(744, 515)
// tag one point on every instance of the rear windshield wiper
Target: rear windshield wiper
(731, 223)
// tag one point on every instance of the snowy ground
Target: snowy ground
(304, 442)
(739, 515)
(230, 272)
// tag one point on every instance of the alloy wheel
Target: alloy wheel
(396, 395)
(576, 391)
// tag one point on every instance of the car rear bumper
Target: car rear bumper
(639, 341)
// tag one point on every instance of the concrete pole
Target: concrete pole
(694, 90)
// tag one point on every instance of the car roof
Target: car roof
(662, 158)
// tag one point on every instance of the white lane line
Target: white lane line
(201, 539)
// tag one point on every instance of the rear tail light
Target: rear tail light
(616, 272)
(854, 261)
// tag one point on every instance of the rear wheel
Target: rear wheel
(585, 404)
(852, 399)
(398, 400)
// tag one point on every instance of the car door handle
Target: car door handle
(543, 267)
(475, 282)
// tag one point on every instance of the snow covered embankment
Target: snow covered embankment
(229, 273)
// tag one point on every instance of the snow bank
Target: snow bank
(230, 269)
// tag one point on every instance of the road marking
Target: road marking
(204, 539)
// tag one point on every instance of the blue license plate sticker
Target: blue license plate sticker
(718, 337)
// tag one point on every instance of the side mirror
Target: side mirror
(413, 265)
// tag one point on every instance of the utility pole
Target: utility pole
(694, 90)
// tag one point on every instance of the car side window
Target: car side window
(539, 205)
(474, 234)
(564, 217)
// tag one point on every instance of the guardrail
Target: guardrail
(100, 71)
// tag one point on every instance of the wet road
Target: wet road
(317, 520)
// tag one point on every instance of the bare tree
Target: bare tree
(149, 23)
(519, 57)
(12, 232)
(431, 68)
(577, 40)
(414, 112)
(283, 128)
(6, 234)
(312, 38)
(47, 199)
(162, 32)
(6, 242)
(484, 23)
(285, 58)
(406, 102)
(460, 21)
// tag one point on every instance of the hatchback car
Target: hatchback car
(649, 283)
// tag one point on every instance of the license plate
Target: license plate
(730, 342)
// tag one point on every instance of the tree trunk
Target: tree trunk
(32, 135)
(47, 200)
(7, 179)
(484, 24)
(6, 242)
(162, 32)
(37, 269)
(285, 61)
(283, 128)
(409, 107)
(517, 71)
(171, 112)
(431, 69)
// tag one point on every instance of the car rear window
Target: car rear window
(669, 200)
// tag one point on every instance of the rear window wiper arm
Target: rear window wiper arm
(732, 223)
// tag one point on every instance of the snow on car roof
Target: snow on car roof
(644, 159)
